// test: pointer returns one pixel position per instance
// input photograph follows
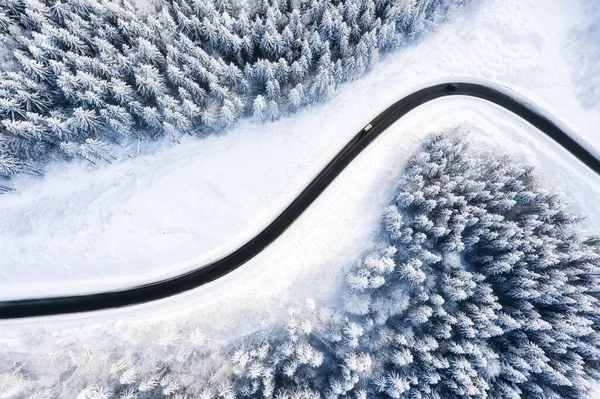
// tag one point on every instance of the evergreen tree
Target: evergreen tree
(259, 108)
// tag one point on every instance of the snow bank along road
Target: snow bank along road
(195, 278)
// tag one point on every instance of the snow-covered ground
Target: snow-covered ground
(83, 229)
(316, 248)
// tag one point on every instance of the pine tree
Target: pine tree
(259, 108)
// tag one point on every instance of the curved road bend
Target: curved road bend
(204, 274)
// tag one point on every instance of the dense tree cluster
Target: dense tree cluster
(482, 286)
(87, 73)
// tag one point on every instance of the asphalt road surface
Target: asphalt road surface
(207, 273)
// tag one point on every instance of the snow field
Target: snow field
(172, 209)
(84, 229)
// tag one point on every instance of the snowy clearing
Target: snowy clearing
(342, 223)
(82, 229)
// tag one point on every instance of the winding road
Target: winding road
(207, 273)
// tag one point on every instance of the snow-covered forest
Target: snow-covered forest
(80, 76)
(482, 285)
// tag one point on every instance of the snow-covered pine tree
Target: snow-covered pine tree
(259, 108)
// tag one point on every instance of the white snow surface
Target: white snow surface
(86, 229)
